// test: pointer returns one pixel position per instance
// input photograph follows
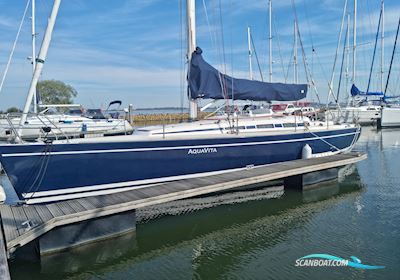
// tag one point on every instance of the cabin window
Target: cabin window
(251, 127)
(300, 124)
(265, 126)
(278, 125)
(289, 125)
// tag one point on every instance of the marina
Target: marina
(284, 173)
(257, 222)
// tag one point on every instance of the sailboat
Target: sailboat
(390, 114)
(365, 106)
(49, 171)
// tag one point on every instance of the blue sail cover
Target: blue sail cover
(355, 91)
(207, 82)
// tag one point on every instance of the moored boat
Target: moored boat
(48, 170)
(51, 171)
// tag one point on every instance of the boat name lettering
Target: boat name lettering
(202, 151)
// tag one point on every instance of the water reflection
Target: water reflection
(185, 243)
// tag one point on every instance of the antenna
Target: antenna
(382, 42)
(33, 59)
(270, 40)
(295, 71)
(250, 53)
(354, 42)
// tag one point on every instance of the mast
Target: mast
(336, 53)
(40, 61)
(250, 53)
(391, 60)
(33, 52)
(191, 38)
(353, 80)
(348, 52)
(295, 72)
(270, 40)
(382, 42)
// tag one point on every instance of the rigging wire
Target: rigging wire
(212, 35)
(182, 56)
(258, 62)
(373, 56)
(279, 46)
(341, 66)
(309, 77)
(391, 60)
(289, 64)
(231, 55)
(330, 84)
(14, 46)
(310, 35)
(223, 53)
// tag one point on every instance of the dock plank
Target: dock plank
(44, 212)
(8, 221)
(76, 206)
(32, 215)
(54, 209)
(20, 218)
(4, 270)
(86, 204)
(65, 207)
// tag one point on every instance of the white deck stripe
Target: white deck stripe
(138, 184)
(176, 148)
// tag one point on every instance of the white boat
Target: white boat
(391, 113)
(365, 106)
(62, 126)
(390, 117)
(366, 114)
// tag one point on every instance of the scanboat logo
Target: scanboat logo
(202, 151)
(330, 260)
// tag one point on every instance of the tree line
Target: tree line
(51, 92)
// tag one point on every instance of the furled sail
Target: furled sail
(355, 91)
(207, 82)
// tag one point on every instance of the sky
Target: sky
(134, 50)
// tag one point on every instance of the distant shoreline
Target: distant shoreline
(162, 108)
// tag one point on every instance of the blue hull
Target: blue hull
(51, 171)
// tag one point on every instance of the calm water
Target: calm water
(259, 234)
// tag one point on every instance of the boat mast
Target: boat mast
(40, 61)
(191, 38)
(295, 72)
(33, 52)
(382, 42)
(391, 60)
(270, 40)
(250, 53)
(337, 53)
(354, 41)
(347, 51)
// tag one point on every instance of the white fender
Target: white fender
(2, 194)
(306, 153)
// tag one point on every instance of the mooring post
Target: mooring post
(308, 180)
(97, 229)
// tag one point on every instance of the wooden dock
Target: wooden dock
(22, 224)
